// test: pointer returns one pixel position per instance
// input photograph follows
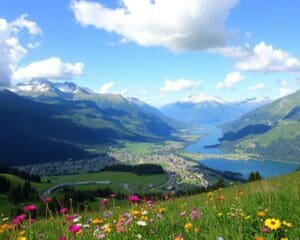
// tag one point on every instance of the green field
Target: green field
(136, 148)
(239, 212)
(134, 183)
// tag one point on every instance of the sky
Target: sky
(159, 51)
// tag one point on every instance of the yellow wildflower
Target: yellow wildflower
(97, 221)
(188, 226)
(137, 213)
(272, 223)
(287, 224)
(22, 238)
(162, 210)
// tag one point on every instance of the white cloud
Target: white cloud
(106, 87)
(261, 58)
(176, 25)
(31, 26)
(11, 52)
(265, 58)
(180, 85)
(286, 88)
(233, 52)
(257, 87)
(51, 68)
(231, 80)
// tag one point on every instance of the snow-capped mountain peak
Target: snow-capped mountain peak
(34, 85)
(40, 85)
(195, 99)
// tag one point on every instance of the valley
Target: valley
(107, 130)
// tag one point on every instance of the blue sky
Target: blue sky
(238, 49)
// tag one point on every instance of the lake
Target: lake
(266, 168)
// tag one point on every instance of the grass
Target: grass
(132, 179)
(238, 213)
(137, 148)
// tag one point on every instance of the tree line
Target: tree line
(21, 174)
(17, 193)
(141, 169)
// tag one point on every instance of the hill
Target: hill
(35, 131)
(272, 131)
(266, 209)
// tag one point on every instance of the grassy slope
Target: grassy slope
(235, 217)
(270, 113)
(284, 131)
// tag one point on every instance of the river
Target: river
(266, 168)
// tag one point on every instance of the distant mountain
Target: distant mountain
(272, 131)
(207, 109)
(52, 92)
(59, 121)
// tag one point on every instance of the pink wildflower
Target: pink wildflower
(29, 208)
(104, 201)
(74, 228)
(47, 200)
(63, 210)
(133, 198)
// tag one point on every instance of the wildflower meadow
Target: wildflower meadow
(262, 210)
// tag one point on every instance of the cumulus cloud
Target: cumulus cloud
(11, 50)
(261, 58)
(176, 25)
(180, 85)
(231, 80)
(52, 68)
(106, 87)
(257, 87)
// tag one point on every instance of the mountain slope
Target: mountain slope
(272, 131)
(39, 132)
(50, 92)
(207, 109)
(269, 114)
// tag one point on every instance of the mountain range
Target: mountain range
(198, 109)
(45, 121)
(272, 131)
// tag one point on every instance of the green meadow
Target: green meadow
(266, 209)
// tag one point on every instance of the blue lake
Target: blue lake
(266, 168)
